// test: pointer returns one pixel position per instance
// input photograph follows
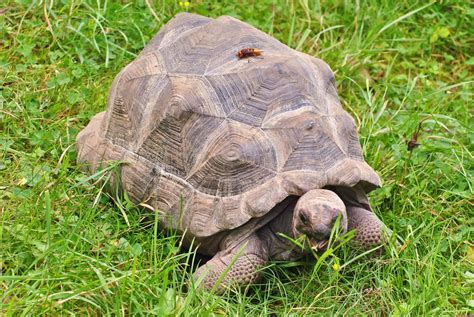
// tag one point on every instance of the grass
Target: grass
(66, 248)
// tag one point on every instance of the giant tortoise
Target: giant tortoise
(237, 155)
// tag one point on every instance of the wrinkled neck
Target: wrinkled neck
(274, 235)
(283, 224)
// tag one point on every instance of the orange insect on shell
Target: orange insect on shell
(249, 52)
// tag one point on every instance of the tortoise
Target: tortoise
(234, 153)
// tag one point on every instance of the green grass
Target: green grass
(66, 248)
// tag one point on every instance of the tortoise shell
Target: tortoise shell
(212, 140)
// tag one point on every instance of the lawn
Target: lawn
(401, 67)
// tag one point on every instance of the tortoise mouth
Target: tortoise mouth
(318, 245)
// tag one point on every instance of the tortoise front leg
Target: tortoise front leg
(370, 231)
(239, 265)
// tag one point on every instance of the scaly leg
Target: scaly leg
(244, 259)
(369, 228)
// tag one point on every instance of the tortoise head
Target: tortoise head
(315, 215)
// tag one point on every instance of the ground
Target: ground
(403, 69)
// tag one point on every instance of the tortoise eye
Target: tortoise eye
(303, 218)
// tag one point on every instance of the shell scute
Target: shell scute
(215, 142)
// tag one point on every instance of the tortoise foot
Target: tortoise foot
(239, 266)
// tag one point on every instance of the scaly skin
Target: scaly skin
(249, 256)
(368, 227)
(246, 258)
